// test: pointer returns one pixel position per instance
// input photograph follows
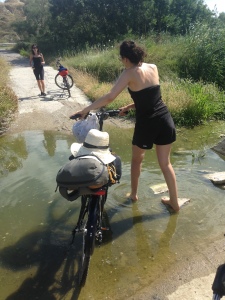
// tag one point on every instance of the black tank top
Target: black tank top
(37, 62)
(148, 102)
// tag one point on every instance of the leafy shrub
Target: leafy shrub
(198, 103)
(203, 56)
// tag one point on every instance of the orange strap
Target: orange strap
(112, 173)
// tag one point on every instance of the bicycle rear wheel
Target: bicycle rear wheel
(64, 84)
(89, 234)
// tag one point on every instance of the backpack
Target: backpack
(81, 175)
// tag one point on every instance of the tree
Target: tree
(76, 24)
(36, 19)
(184, 13)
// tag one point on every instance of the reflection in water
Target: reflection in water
(159, 253)
(143, 240)
(49, 142)
(48, 250)
(12, 153)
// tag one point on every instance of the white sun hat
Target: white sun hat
(97, 143)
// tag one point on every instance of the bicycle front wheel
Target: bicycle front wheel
(89, 234)
(65, 82)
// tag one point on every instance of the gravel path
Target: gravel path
(44, 113)
(35, 112)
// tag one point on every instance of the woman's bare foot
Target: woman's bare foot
(167, 201)
(131, 197)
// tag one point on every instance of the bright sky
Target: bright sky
(220, 4)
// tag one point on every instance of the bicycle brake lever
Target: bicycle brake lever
(76, 116)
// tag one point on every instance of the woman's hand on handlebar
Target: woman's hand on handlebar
(79, 115)
(123, 111)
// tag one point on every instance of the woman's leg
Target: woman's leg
(163, 155)
(40, 80)
(42, 86)
(136, 162)
(39, 85)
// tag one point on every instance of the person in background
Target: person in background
(154, 124)
(36, 62)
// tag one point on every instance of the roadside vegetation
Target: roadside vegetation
(192, 101)
(8, 99)
(183, 38)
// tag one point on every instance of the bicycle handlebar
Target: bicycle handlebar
(74, 117)
(102, 115)
(110, 113)
(107, 113)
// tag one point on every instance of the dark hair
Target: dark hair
(34, 46)
(131, 51)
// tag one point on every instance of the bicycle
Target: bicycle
(90, 220)
(63, 79)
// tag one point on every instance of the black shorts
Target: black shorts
(158, 131)
(39, 73)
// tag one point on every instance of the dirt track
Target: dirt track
(44, 113)
(35, 112)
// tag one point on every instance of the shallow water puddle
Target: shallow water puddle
(143, 241)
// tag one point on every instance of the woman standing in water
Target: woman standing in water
(37, 62)
(154, 124)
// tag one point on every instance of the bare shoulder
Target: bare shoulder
(125, 74)
(152, 66)
(149, 66)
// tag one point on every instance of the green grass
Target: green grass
(191, 102)
(8, 100)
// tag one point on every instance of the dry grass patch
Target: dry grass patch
(175, 97)
(93, 89)
(8, 99)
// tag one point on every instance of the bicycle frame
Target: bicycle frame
(63, 79)
(62, 71)
(92, 206)
(86, 207)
